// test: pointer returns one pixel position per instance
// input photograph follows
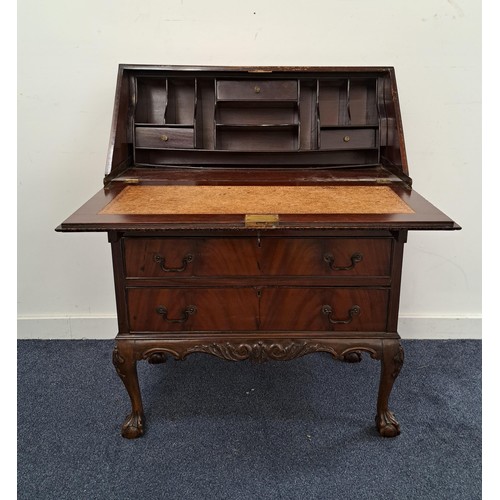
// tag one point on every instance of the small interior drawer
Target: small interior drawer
(279, 90)
(348, 138)
(164, 137)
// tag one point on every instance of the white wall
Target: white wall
(68, 53)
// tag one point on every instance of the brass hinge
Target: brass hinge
(261, 220)
(130, 180)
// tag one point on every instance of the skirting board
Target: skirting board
(105, 327)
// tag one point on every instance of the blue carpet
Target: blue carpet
(302, 429)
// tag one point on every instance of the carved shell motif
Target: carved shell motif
(260, 351)
(257, 351)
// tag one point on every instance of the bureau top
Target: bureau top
(256, 117)
(315, 148)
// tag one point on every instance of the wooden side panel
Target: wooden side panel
(120, 148)
(394, 152)
(396, 273)
(119, 278)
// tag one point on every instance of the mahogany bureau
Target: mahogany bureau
(257, 213)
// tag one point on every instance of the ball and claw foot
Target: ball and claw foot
(133, 427)
(387, 425)
(352, 357)
(157, 358)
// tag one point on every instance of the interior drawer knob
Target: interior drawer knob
(257, 89)
(346, 138)
(353, 311)
(330, 260)
(164, 138)
(161, 262)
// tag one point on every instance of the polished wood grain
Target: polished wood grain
(210, 256)
(257, 308)
(253, 175)
(87, 218)
(167, 309)
(257, 256)
(331, 257)
(302, 309)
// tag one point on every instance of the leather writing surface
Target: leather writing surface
(257, 200)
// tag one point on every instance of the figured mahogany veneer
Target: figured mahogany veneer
(257, 308)
(331, 257)
(317, 152)
(192, 309)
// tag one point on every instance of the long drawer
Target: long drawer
(263, 308)
(167, 257)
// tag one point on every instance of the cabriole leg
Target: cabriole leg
(392, 361)
(125, 365)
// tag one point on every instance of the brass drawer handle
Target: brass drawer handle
(185, 261)
(257, 89)
(330, 260)
(353, 311)
(189, 311)
(346, 138)
(164, 138)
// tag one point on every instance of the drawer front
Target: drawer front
(192, 309)
(324, 309)
(325, 257)
(348, 139)
(259, 90)
(165, 257)
(164, 137)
